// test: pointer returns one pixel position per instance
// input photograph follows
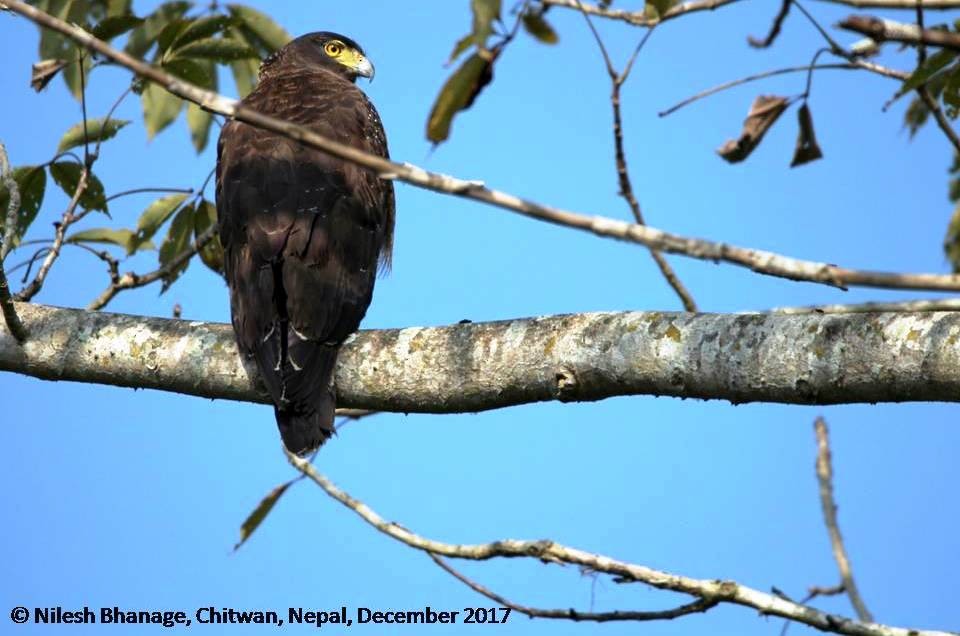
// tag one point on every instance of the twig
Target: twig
(753, 78)
(942, 122)
(757, 260)
(66, 221)
(890, 31)
(825, 478)
(142, 190)
(106, 120)
(774, 28)
(130, 280)
(548, 551)
(934, 304)
(640, 18)
(813, 592)
(617, 80)
(13, 206)
(700, 605)
(936, 5)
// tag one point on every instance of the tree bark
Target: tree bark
(798, 359)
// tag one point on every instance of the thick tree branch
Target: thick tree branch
(797, 359)
(825, 479)
(757, 260)
(547, 551)
(889, 31)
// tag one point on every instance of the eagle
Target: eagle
(304, 233)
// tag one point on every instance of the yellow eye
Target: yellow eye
(333, 49)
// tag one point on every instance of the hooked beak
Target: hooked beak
(364, 68)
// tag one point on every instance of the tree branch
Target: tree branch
(825, 479)
(10, 316)
(757, 260)
(890, 31)
(547, 551)
(639, 18)
(795, 359)
(698, 606)
(934, 304)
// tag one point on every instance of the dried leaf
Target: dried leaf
(212, 253)
(807, 148)
(764, 112)
(43, 71)
(97, 129)
(32, 185)
(252, 522)
(458, 94)
(67, 175)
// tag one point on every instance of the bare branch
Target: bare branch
(131, 280)
(825, 478)
(753, 78)
(68, 218)
(639, 18)
(795, 359)
(698, 606)
(623, 174)
(547, 551)
(757, 260)
(890, 31)
(942, 122)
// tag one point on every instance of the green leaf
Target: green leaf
(252, 522)
(219, 49)
(114, 25)
(266, 33)
(199, 122)
(177, 242)
(951, 89)
(538, 27)
(928, 69)
(198, 72)
(201, 28)
(97, 130)
(459, 93)
(67, 175)
(153, 217)
(160, 108)
(485, 13)
(951, 243)
(32, 185)
(102, 235)
(119, 7)
(245, 72)
(143, 37)
(807, 149)
(71, 74)
(462, 45)
(656, 9)
(212, 253)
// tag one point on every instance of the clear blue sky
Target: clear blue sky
(135, 498)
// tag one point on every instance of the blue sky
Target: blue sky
(135, 498)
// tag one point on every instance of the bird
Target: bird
(304, 233)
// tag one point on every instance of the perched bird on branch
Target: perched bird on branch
(304, 233)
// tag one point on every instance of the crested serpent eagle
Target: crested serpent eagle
(304, 233)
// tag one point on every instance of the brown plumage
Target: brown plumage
(303, 232)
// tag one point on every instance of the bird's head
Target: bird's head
(332, 51)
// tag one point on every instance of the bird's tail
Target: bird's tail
(304, 427)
